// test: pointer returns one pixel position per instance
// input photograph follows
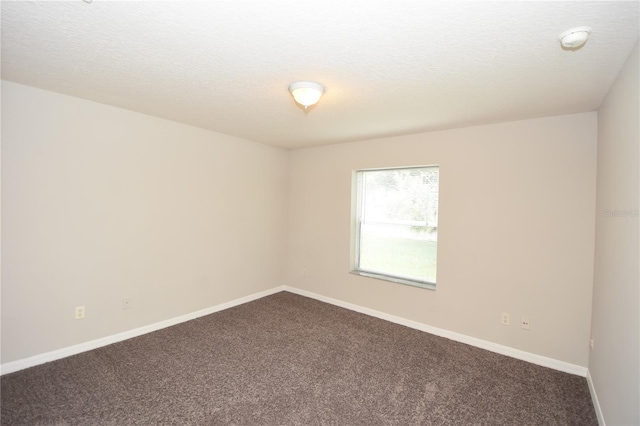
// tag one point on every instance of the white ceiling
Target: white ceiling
(390, 67)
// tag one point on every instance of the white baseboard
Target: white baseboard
(483, 344)
(594, 399)
(21, 364)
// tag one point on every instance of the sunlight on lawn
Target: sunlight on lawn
(402, 257)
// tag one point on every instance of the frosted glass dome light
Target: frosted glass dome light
(306, 93)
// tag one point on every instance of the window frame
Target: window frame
(356, 224)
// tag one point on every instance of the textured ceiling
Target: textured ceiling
(390, 67)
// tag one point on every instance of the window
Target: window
(395, 231)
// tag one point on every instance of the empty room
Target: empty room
(310, 213)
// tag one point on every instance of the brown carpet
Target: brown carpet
(290, 360)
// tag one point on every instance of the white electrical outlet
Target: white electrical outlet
(505, 320)
(525, 323)
(79, 312)
(126, 303)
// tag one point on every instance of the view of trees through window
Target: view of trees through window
(397, 222)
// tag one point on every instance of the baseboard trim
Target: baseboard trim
(21, 364)
(483, 344)
(594, 399)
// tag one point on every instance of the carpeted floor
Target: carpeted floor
(289, 360)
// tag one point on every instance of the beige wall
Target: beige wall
(516, 230)
(614, 364)
(99, 204)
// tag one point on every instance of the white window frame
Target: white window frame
(356, 214)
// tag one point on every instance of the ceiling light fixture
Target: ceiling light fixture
(575, 37)
(306, 93)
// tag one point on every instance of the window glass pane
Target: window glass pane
(398, 222)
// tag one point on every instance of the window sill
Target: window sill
(405, 281)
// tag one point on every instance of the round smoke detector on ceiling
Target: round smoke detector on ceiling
(574, 37)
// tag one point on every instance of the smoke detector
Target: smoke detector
(575, 37)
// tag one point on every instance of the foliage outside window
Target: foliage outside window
(396, 225)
